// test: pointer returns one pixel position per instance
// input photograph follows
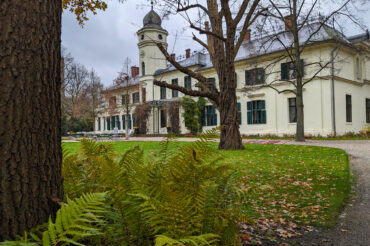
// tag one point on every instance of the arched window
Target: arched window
(143, 68)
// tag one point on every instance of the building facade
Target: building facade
(336, 101)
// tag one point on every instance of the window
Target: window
(348, 108)
(108, 124)
(143, 94)
(255, 76)
(256, 112)
(99, 124)
(292, 110)
(143, 68)
(175, 93)
(209, 116)
(135, 97)
(288, 70)
(160, 37)
(118, 122)
(163, 118)
(142, 37)
(367, 110)
(125, 99)
(358, 69)
(187, 82)
(112, 102)
(124, 122)
(163, 92)
(239, 114)
(113, 122)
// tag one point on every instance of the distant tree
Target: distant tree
(30, 140)
(123, 80)
(76, 79)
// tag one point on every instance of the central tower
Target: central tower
(151, 58)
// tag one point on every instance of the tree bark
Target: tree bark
(300, 113)
(30, 108)
(230, 138)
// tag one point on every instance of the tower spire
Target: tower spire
(151, 2)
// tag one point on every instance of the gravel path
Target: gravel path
(353, 225)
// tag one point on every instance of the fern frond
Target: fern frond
(78, 219)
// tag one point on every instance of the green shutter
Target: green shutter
(203, 116)
(249, 117)
(119, 122)
(239, 114)
(263, 115)
(263, 104)
(213, 81)
(249, 106)
(247, 77)
(129, 121)
(284, 71)
(108, 124)
(123, 122)
(113, 122)
(249, 112)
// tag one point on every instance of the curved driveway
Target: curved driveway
(353, 226)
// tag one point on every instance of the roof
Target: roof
(132, 82)
(195, 59)
(360, 37)
(152, 21)
(266, 45)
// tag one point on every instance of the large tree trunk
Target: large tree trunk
(30, 141)
(230, 138)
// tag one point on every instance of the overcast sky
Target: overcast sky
(109, 37)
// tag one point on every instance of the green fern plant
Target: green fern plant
(76, 220)
(182, 196)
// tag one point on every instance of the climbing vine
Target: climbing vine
(192, 113)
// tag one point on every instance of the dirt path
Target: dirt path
(353, 226)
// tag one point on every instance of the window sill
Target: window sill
(292, 123)
(348, 123)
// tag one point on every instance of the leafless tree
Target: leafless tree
(224, 24)
(123, 81)
(76, 77)
(92, 92)
(304, 23)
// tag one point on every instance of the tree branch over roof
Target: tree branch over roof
(211, 95)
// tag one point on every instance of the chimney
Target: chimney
(173, 56)
(247, 36)
(187, 53)
(134, 71)
(288, 22)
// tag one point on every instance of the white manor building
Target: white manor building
(336, 102)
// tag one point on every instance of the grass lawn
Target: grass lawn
(305, 184)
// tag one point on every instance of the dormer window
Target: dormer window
(255, 77)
